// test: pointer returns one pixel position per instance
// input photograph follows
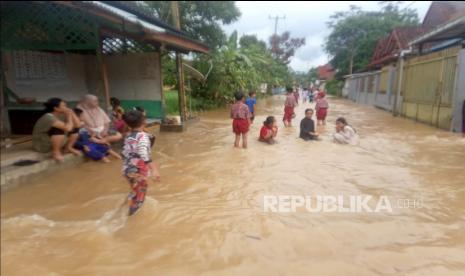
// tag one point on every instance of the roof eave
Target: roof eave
(153, 33)
(429, 36)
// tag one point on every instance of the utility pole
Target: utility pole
(274, 41)
(276, 19)
(180, 72)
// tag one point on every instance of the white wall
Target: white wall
(130, 76)
(70, 86)
(135, 76)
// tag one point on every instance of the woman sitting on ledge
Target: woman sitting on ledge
(96, 121)
(56, 130)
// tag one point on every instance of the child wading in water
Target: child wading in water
(321, 108)
(137, 159)
(289, 105)
(269, 131)
(307, 126)
(241, 120)
(251, 102)
(345, 133)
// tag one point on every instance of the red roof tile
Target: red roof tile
(326, 72)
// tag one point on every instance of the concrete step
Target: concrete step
(13, 175)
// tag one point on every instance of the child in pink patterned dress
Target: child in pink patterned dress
(137, 159)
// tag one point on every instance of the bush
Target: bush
(334, 87)
(197, 104)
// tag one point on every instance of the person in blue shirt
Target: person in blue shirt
(251, 102)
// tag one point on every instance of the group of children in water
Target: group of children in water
(138, 141)
(243, 112)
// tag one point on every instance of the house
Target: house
(325, 72)
(387, 49)
(402, 44)
(440, 13)
(67, 49)
(434, 86)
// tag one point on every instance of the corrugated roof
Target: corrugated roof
(440, 12)
(154, 30)
(450, 30)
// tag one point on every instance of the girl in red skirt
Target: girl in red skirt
(321, 108)
(289, 107)
(241, 120)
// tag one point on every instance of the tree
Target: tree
(302, 78)
(201, 19)
(247, 41)
(354, 33)
(236, 68)
(313, 74)
(283, 46)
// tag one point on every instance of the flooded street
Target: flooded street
(206, 216)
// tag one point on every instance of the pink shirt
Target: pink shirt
(240, 110)
(322, 103)
(290, 101)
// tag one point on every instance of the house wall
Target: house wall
(457, 119)
(135, 79)
(362, 88)
(387, 88)
(43, 75)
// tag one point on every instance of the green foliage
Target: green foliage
(197, 104)
(301, 78)
(249, 41)
(169, 70)
(237, 68)
(233, 64)
(201, 19)
(171, 102)
(354, 33)
(313, 74)
(334, 87)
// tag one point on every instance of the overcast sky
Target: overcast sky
(303, 19)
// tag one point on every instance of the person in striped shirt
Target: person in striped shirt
(241, 115)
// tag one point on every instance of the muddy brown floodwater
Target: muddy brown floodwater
(206, 216)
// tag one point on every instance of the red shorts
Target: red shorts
(240, 126)
(321, 113)
(288, 112)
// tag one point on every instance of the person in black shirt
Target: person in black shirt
(307, 126)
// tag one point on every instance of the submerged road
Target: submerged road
(206, 216)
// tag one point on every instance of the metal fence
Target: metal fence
(428, 85)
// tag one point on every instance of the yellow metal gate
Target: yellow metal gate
(428, 87)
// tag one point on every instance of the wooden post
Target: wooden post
(179, 66)
(106, 87)
(163, 99)
(181, 90)
(5, 126)
(103, 71)
(2, 102)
